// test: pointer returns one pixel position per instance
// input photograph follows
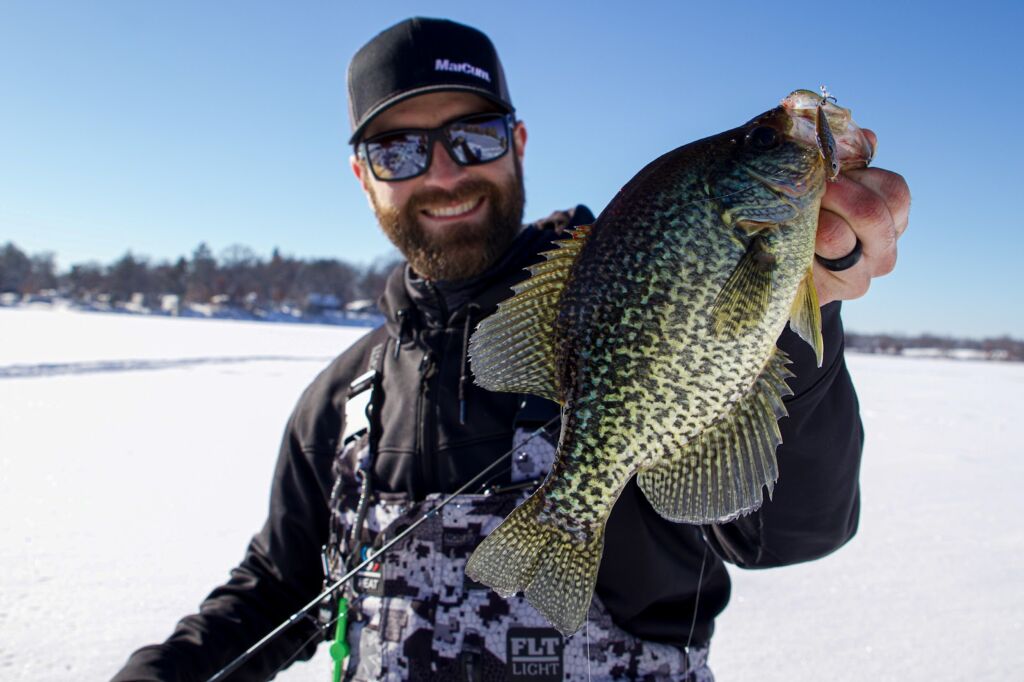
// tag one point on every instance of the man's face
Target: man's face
(452, 221)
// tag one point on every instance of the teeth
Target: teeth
(449, 211)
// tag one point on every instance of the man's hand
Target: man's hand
(870, 204)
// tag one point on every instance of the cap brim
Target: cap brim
(379, 108)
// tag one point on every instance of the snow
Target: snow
(136, 455)
(931, 587)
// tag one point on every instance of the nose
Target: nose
(443, 171)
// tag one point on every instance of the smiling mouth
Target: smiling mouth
(454, 211)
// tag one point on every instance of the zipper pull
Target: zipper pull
(427, 365)
(442, 306)
(403, 316)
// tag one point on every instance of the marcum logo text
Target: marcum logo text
(464, 67)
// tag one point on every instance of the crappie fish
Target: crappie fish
(655, 329)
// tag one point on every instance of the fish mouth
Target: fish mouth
(853, 148)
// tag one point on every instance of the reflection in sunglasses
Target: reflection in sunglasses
(404, 154)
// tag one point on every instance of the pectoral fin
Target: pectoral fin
(805, 316)
(743, 301)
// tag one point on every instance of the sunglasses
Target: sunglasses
(404, 154)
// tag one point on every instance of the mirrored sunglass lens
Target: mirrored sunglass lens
(397, 156)
(478, 140)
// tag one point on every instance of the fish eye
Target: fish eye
(763, 138)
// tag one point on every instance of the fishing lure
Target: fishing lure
(826, 142)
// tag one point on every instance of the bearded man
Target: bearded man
(395, 423)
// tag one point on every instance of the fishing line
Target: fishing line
(474, 482)
(696, 600)
(316, 635)
(497, 474)
(588, 648)
(749, 187)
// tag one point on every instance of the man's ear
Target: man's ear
(519, 136)
(358, 169)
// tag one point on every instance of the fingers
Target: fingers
(835, 236)
(872, 138)
(871, 205)
(892, 188)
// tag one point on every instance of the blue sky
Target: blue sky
(150, 126)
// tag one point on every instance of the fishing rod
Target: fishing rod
(304, 612)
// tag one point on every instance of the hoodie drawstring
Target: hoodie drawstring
(464, 371)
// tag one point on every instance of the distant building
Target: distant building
(364, 306)
(170, 304)
(136, 304)
(251, 302)
(320, 304)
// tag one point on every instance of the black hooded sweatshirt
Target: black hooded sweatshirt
(648, 579)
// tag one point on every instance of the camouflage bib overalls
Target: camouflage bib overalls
(415, 616)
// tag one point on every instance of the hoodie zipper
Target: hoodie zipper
(428, 426)
(442, 307)
(428, 366)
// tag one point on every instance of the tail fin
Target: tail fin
(555, 570)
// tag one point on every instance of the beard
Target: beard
(462, 250)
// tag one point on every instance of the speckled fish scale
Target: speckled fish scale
(655, 328)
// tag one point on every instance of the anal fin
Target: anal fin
(720, 473)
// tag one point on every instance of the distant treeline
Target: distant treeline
(238, 276)
(999, 348)
(242, 279)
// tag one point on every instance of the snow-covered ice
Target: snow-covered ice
(136, 455)
(932, 586)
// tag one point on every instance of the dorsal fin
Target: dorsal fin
(513, 349)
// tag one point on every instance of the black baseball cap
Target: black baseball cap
(418, 56)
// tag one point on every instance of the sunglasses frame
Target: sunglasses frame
(438, 134)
